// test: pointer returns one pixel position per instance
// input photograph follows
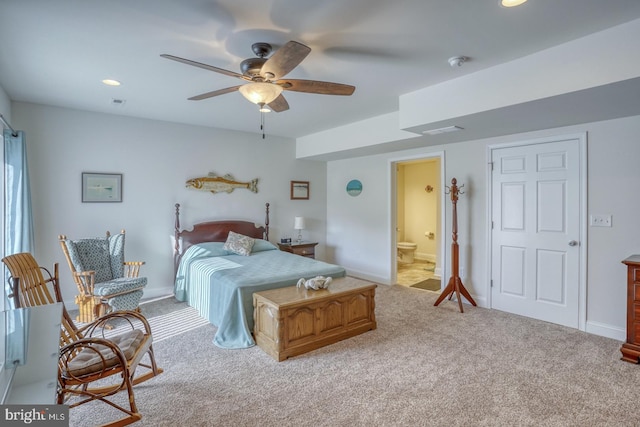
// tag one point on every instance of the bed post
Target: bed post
(266, 223)
(176, 236)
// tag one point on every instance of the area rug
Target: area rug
(429, 285)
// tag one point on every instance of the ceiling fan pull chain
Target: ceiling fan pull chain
(262, 123)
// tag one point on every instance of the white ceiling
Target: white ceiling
(57, 52)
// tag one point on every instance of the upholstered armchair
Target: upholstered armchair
(105, 281)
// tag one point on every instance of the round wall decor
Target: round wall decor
(354, 188)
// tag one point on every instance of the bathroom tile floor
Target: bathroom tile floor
(409, 274)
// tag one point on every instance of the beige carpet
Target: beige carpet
(423, 366)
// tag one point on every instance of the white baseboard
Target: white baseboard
(480, 301)
(607, 331)
(153, 293)
(364, 276)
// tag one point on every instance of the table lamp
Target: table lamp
(298, 224)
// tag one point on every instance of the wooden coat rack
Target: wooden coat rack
(455, 283)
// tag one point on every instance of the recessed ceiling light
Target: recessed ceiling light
(512, 3)
(110, 82)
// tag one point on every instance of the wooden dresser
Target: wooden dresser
(307, 249)
(631, 349)
(291, 321)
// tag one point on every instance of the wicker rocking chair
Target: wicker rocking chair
(86, 355)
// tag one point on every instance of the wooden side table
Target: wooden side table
(307, 249)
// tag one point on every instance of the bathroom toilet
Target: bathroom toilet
(406, 251)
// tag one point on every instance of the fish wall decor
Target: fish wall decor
(218, 184)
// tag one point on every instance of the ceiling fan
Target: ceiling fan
(265, 77)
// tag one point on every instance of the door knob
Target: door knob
(573, 243)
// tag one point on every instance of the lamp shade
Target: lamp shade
(298, 224)
(260, 92)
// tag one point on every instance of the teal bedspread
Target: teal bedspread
(221, 286)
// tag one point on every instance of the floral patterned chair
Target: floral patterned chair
(106, 282)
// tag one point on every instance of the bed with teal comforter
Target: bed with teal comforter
(220, 285)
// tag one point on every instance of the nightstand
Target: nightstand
(307, 249)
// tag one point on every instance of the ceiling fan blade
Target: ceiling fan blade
(205, 66)
(315, 86)
(279, 104)
(284, 60)
(214, 93)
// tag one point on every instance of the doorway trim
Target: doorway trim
(393, 214)
(582, 268)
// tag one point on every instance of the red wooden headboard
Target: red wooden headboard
(214, 231)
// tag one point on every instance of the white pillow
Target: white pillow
(239, 244)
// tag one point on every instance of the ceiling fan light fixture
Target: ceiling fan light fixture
(260, 92)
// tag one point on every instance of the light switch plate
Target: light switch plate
(600, 220)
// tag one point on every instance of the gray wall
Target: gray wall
(359, 228)
(156, 158)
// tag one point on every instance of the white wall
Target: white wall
(360, 227)
(156, 158)
(580, 64)
(5, 105)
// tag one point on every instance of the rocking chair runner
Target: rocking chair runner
(105, 281)
(86, 355)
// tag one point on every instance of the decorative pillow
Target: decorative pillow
(239, 244)
(262, 245)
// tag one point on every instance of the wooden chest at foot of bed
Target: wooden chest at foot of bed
(291, 321)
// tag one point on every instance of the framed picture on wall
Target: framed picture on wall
(299, 190)
(101, 187)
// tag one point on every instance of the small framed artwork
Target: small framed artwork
(354, 188)
(101, 187)
(299, 190)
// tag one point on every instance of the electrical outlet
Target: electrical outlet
(600, 220)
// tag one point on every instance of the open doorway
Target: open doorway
(417, 214)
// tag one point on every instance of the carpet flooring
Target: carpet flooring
(167, 317)
(429, 285)
(422, 366)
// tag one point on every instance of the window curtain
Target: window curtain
(18, 216)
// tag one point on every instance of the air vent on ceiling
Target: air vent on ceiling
(442, 130)
(118, 102)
